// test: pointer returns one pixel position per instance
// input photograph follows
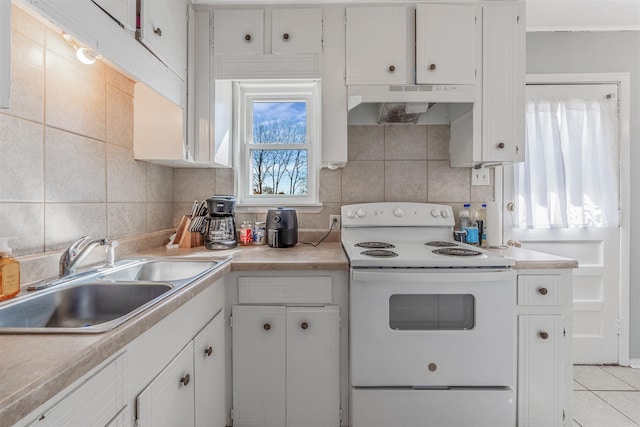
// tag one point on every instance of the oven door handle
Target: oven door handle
(414, 276)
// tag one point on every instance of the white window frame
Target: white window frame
(245, 93)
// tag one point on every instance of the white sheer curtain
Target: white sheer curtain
(570, 176)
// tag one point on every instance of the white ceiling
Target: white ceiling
(542, 15)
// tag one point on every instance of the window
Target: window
(569, 178)
(278, 153)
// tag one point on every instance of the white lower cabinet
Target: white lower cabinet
(96, 401)
(544, 349)
(286, 366)
(190, 390)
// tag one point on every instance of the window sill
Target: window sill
(263, 208)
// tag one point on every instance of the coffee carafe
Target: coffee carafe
(220, 232)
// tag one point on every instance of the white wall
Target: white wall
(602, 52)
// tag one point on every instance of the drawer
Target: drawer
(538, 290)
(285, 290)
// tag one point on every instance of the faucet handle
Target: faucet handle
(111, 245)
(73, 249)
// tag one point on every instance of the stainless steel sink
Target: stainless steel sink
(160, 270)
(99, 300)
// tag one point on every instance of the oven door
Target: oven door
(429, 328)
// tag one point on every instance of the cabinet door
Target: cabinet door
(164, 31)
(238, 32)
(446, 43)
(169, 399)
(123, 11)
(503, 84)
(540, 371)
(95, 402)
(259, 360)
(313, 366)
(377, 45)
(296, 31)
(209, 364)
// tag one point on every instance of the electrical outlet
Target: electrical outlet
(480, 176)
(335, 218)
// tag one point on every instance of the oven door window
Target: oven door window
(431, 312)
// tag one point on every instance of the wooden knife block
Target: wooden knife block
(184, 237)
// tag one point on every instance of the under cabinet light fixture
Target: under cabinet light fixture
(84, 54)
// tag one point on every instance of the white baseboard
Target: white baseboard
(634, 363)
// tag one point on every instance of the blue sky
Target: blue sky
(287, 111)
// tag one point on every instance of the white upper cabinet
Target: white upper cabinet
(163, 29)
(447, 43)
(296, 31)
(238, 32)
(123, 11)
(377, 42)
(503, 84)
(243, 32)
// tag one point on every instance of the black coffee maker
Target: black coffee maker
(220, 232)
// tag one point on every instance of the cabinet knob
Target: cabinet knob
(285, 36)
(543, 291)
(432, 67)
(544, 335)
(432, 367)
(501, 145)
(304, 325)
(208, 351)
(158, 31)
(247, 37)
(185, 380)
(392, 68)
(266, 326)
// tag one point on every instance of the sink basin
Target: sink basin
(98, 300)
(84, 306)
(160, 270)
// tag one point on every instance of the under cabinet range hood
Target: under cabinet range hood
(406, 104)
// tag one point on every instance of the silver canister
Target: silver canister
(259, 233)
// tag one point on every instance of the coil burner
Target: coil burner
(456, 252)
(441, 244)
(379, 253)
(375, 245)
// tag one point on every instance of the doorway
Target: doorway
(570, 198)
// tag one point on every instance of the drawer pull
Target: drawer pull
(543, 291)
(266, 326)
(432, 367)
(285, 36)
(501, 145)
(392, 68)
(208, 351)
(544, 335)
(304, 325)
(185, 380)
(247, 37)
(432, 67)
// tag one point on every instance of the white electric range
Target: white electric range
(432, 321)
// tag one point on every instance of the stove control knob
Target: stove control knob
(435, 213)
(397, 212)
(445, 214)
(351, 214)
(361, 213)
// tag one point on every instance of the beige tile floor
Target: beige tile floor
(606, 396)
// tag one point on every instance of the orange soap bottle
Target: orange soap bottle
(9, 272)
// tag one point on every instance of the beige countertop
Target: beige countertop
(34, 368)
(528, 259)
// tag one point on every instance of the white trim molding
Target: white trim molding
(583, 15)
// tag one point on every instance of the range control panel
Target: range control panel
(397, 214)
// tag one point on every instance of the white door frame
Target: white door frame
(623, 81)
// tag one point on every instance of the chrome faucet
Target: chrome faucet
(74, 255)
